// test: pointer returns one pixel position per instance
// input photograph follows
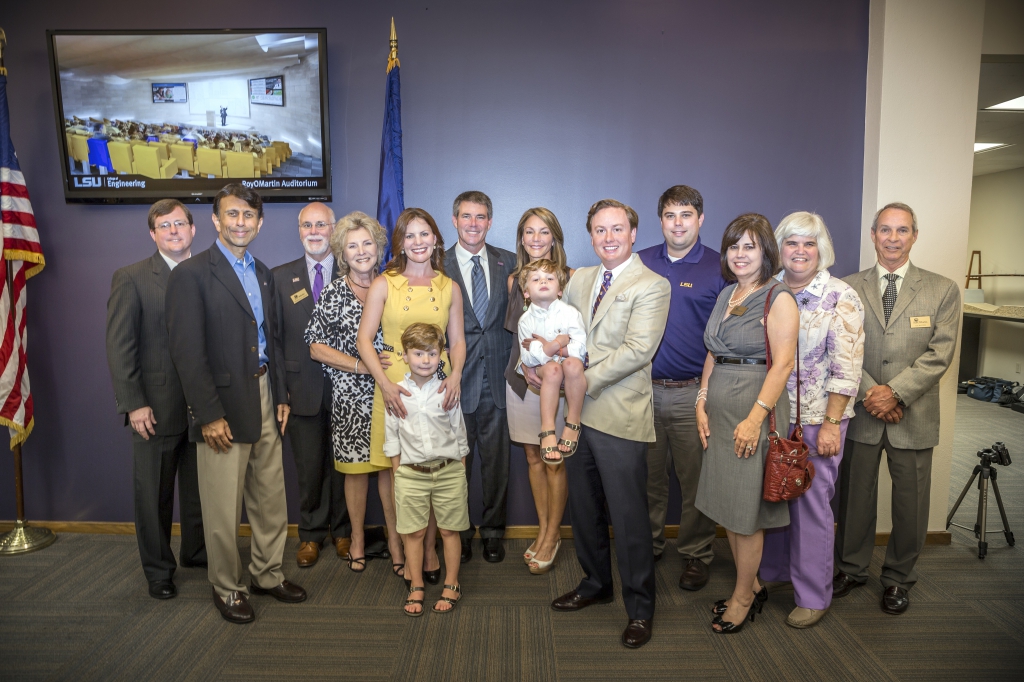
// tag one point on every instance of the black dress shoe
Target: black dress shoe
(286, 592)
(432, 577)
(637, 633)
(574, 601)
(467, 551)
(162, 589)
(843, 584)
(695, 575)
(235, 608)
(895, 600)
(494, 550)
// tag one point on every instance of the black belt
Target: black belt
(740, 361)
(673, 383)
(422, 468)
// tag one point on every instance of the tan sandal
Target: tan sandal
(571, 444)
(545, 451)
(448, 600)
(410, 601)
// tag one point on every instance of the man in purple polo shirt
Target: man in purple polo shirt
(695, 273)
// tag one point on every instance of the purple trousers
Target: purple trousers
(802, 552)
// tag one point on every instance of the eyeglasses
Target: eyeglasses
(179, 224)
(318, 225)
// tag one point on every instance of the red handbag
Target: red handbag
(788, 471)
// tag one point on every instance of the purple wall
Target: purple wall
(758, 105)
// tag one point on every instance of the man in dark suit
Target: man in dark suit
(482, 273)
(299, 283)
(149, 395)
(225, 343)
(910, 330)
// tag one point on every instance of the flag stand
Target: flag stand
(23, 538)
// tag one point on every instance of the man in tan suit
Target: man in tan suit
(624, 307)
(910, 333)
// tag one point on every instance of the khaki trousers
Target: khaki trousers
(675, 426)
(253, 472)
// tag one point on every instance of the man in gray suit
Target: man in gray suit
(149, 395)
(482, 271)
(909, 343)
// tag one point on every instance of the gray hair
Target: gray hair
(330, 211)
(807, 224)
(356, 220)
(899, 205)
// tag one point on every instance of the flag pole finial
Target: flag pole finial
(3, 46)
(393, 55)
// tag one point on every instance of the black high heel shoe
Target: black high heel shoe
(729, 628)
(760, 598)
(433, 577)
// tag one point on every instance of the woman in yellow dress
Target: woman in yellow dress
(413, 288)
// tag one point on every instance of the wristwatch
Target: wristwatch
(896, 395)
(831, 420)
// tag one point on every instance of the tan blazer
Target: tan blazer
(622, 338)
(908, 355)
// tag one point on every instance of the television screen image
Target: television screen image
(144, 115)
(170, 93)
(267, 91)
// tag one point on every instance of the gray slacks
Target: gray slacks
(487, 433)
(675, 425)
(911, 472)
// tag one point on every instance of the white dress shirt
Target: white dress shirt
(465, 259)
(428, 432)
(616, 271)
(559, 318)
(170, 262)
(326, 265)
(900, 273)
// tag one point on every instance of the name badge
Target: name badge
(738, 310)
(299, 295)
(921, 322)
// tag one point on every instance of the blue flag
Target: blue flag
(391, 190)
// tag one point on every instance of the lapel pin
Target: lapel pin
(295, 279)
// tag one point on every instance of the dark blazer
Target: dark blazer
(303, 375)
(137, 352)
(214, 344)
(488, 343)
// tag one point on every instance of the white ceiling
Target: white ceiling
(1002, 79)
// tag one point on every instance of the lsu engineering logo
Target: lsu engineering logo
(111, 182)
(88, 182)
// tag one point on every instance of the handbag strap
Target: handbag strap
(768, 361)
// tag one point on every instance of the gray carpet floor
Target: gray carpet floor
(79, 611)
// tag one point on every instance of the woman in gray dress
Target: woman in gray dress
(732, 408)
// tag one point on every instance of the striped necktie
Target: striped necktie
(889, 297)
(479, 291)
(607, 282)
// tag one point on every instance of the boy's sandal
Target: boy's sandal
(571, 444)
(449, 600)
(550, 449)
(411, 601)
(356, 561)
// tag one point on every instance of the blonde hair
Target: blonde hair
(807, 224)
(422, 336)
(356, 220)
(542, 265)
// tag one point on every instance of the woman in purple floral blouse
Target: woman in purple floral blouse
(829, 356)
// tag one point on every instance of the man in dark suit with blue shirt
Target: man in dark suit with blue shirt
(695, 273)
(482, 273)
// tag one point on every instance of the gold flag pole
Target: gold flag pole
(393, 55)
(24, 538)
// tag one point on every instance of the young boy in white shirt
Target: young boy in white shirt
(555, 343)
(428, 457)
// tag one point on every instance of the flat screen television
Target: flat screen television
(150, 114)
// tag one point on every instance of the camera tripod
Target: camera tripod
(995, 455)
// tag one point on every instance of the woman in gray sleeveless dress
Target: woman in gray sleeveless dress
(733, 406)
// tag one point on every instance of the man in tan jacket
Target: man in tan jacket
(911, 324)
(624, 306)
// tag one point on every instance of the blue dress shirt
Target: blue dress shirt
(696, 281)
(245, 268)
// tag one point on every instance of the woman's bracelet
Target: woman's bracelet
(356, 370)
(764, 405)
(831, 420)
(699, 398)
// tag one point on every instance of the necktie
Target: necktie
(889, 297)
(479, 291)
(318, 282)
(607, 282)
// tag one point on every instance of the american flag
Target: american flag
(23, 258)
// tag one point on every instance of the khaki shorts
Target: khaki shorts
(445, 490)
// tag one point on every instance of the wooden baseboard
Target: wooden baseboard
(934, 537)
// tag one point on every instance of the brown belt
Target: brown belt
(429, 469)
(672, 383)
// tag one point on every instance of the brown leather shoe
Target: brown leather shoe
(695, 575)
(843, 584)
(235, 608)
(286, 592)
(637, 633)
(574, 601)
(342, 545)
(308, 553)
(895, 601)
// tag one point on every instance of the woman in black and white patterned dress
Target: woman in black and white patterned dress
(358, 243)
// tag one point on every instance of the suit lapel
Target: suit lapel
(304, 283)
(223, 271)
(908, 291)
(587, 282)
(263, 277)
(451, 266)
(160, 270)
(872, 295)
(625, 280)
(494, 272)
